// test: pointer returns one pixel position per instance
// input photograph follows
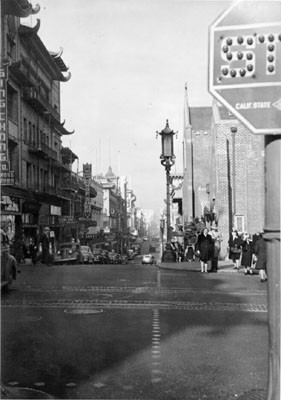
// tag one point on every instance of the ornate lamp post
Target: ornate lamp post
(168, 159)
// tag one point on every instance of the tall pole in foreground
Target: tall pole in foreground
(272, 238)
(167, 160)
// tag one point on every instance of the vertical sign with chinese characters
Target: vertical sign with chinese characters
(87, 175)
(6, 176)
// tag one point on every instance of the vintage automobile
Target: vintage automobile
(8, 264)
(99, 256)
(85, 255)
(148, 259)
(130, 254)
(113, 258)
(68, 253)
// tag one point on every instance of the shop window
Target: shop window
(28, 219)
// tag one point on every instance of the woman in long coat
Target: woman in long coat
(235, 249)
(260, 251)
(247, 254)
(205, 247)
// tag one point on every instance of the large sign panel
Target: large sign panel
(87, 175)
(6, 175)
(245, 63)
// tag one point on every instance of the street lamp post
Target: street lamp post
(167, 160)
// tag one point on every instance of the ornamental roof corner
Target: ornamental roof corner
(20, 8)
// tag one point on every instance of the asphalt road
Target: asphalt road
(133, 332)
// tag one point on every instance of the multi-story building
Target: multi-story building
(114, 212)
(38, 186)
(237, 181)
(223, 179)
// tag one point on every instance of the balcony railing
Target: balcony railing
(42, 148)
(33, 97)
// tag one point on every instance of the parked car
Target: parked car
(148, 259)
(99, 256)
(8, 263)
(130, 254)
(124, 259)
(68, 253)
(85, 255)
(113, 258)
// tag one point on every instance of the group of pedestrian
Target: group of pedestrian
(246, 251)
(37, 249)
(249, 252)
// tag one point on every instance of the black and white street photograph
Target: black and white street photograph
(140, 148)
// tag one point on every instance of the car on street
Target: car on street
(85, 255)
(148, 259)
(130, 254)
(67, 253)
(99, 256)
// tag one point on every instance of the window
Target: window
(12, 103)
(25, 130)
(33, 135)
(29, 132)
(239, 223)
(28, 175)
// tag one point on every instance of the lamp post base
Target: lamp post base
(168, 255)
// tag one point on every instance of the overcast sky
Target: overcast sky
(129, 61)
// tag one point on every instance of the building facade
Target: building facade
(38, 186)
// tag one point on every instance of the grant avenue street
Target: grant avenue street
(134, 331)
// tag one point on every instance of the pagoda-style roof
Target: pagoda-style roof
(19, 8)
(67, 155)
(110, 174)
(54, 61)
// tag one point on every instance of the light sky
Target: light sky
(129, 60)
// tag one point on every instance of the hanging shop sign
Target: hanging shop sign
(10, 204)
(6, 175)
(55, 210)
(87, 175)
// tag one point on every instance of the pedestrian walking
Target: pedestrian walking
(260, 251)
(247, 254)
(45, 241)
(189, 255)
(216, 248)
(205, 248)
(235, 249)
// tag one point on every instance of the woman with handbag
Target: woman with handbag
(235, 249)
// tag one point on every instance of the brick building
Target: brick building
(223, 177)
(237, 180)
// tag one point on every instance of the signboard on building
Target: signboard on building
(87, 175)
(6, 176)
(245, 63)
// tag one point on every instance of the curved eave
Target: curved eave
(55, 64)
(30, 30)
(19, 8)
(58, 59)
(63, 131)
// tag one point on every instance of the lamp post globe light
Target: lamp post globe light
(167, 160)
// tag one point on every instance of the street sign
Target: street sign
(245, 63)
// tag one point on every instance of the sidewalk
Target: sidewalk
(223, 266)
